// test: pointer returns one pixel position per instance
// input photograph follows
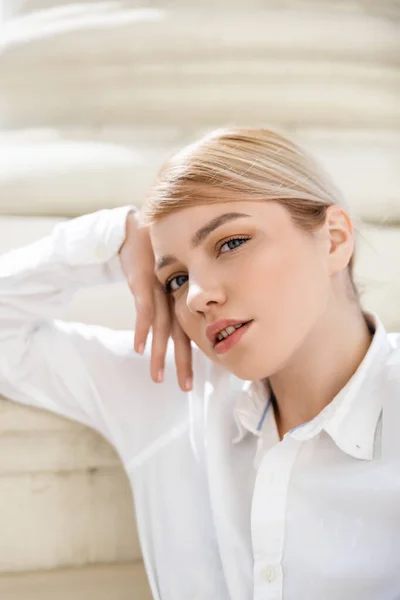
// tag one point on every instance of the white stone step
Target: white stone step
(64, 497)
(74, 173)
(387, 8)
(102, 582)
(121, 64)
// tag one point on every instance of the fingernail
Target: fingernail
(160, 375)
(188, 383)
(141, 348)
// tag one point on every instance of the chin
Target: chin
(248, 373)
(245, 369)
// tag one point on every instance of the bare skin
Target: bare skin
(308, 336)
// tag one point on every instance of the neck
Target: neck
(321, 367)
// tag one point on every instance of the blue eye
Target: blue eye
(167, 287)
(233, 240)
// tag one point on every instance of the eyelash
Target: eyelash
(167, 285)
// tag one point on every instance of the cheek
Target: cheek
(290, 295)
(290, 280)
(179, 312)
(184, 316)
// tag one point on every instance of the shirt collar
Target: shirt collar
(251, 408)
(350, 419)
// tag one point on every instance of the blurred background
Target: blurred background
(93, 97)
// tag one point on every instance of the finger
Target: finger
(183, 356)
(144, 304)
(161, 331)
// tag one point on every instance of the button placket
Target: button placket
(268, 517)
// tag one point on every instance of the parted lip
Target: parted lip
(213, 330)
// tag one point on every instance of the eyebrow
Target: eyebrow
(200, 236)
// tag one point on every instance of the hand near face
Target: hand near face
(153, 306)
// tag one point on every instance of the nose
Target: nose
(203, 298)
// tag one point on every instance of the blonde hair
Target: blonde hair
(245, 164)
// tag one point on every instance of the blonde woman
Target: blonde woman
(269, 468)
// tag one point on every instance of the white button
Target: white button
(268, 573)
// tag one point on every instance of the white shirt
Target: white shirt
(225, 510)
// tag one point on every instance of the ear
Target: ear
(340, 230)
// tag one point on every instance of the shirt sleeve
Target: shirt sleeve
(53, 364)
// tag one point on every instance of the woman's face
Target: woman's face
(271, 273)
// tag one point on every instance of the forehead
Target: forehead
(182, 224)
